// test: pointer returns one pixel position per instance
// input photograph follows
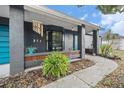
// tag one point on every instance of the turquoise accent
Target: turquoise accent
(4, 44)
(4, 34)
(4, 55)
(4, 60)
(4, 50)
(2, 38)
(31, 50)
(4, 29)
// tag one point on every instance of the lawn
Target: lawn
(116, 78)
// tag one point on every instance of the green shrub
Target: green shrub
(106, 50)
(55, 65)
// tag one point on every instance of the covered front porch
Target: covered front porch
(41, 42)
(38, 44)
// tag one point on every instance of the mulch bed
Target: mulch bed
(115, 79)
(35, 78)
(112, 57)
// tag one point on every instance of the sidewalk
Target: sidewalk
(88, 77)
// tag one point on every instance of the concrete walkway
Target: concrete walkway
(88, 77)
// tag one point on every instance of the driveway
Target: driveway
(88, 77)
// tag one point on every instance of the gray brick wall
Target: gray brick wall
(16, 25)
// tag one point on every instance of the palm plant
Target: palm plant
(106, 49)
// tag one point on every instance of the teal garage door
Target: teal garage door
(4, 44)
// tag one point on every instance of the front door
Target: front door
(55, 40)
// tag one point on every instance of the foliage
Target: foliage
(110, 36)
(55, 65)
(108, 82)
(106, 50)
(110, 9)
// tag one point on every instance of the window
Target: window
(75, 42)
(38, 27)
